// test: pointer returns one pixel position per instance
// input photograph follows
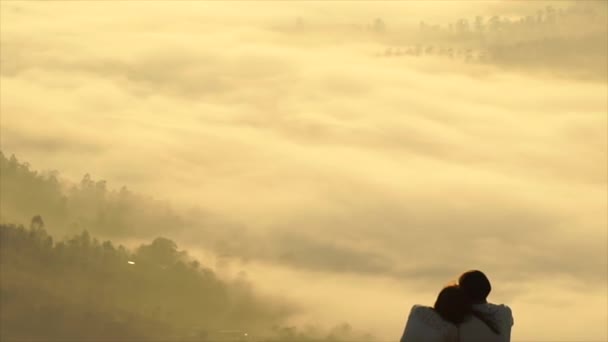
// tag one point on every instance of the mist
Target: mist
(349, 158)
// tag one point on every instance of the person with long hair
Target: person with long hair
(438, 323)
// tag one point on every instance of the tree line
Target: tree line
(83, 286)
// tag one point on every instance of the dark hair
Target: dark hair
(453, 305)
(476, 285)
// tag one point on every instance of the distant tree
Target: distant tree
(13, 163)
(550, 15)
(36, 223)
(450, 52)
(299, 23)
(107, 246)
(86, 182)
(539, 17)
(100, 187)
(422, 26)
(494, 23)
(463, 26)
(161, 252)
(479, 24)
(379, 26)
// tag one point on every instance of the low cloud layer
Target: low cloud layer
(329, 162)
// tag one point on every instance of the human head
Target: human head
(452, 304)
(476, 285)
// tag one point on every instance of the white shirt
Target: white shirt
(425, 325)
(475, 330)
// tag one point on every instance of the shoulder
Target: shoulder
(502, 309)
(417, 308)
(491, 308)
(500, 312)
(421, 311)
(424, 324)
(430, 318)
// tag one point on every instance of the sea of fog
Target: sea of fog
(352, 185)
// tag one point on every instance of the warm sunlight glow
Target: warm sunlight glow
(300, 170)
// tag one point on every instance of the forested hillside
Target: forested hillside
(81, 287)
(70, 208)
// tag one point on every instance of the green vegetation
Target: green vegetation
(68, 209)
(81, 288)
(568, 41)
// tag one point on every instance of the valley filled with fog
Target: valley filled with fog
(315, 168)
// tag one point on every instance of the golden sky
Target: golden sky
(384, 178)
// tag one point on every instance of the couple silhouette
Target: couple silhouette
(461, 314)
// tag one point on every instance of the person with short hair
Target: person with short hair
(499, 317)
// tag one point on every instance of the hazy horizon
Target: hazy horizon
(347, 164)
